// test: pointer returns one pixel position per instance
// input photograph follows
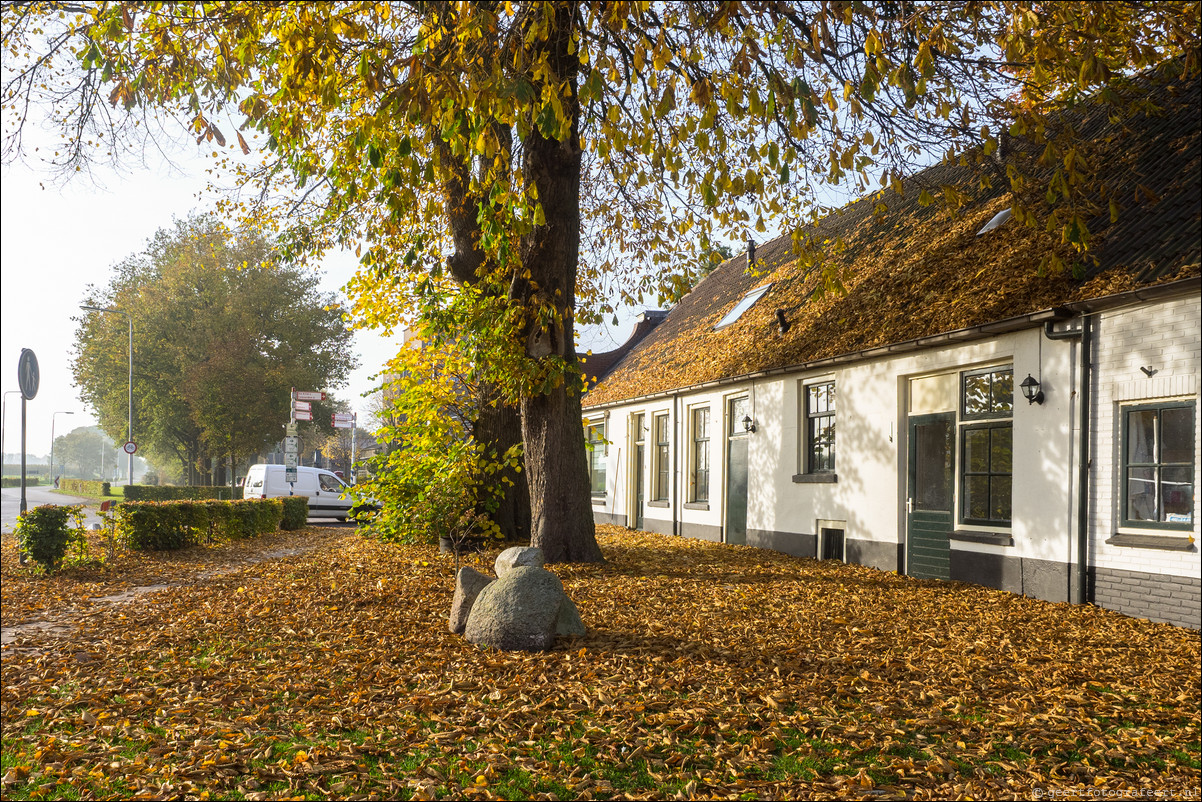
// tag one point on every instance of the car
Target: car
(329, 496)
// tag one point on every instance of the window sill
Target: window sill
(992, 538)
(599, 501)
(815, 478)
(697, 505)
(1163, 542)
(657, 504)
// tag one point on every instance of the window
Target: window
(700, 479)
(596, 458)
(742, 306)
(661, 458)
(1159, 456)
(820, 428)
(329, 483)
(986, 445)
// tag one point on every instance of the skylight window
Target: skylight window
(995, 222)
(742, 306)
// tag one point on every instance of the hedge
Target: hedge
(85, 487)
(15, 481)
(173, 493)
(169, 525)
(296, 512)
(45, 533)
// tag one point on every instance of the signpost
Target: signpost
(301, 409)
(347, 420)
(28, 377)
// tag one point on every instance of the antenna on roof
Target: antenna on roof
(750, 252)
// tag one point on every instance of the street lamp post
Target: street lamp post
(52, 421)
(129, 431)
(4, 424)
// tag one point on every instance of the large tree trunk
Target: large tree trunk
(499, 428)
(556, 463)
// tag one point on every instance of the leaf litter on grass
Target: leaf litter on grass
(708, 671)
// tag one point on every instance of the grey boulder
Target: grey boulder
(523, 610)
(519, 556)
(468, 584)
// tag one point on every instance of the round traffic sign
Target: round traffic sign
(129, 447)
(28, 374)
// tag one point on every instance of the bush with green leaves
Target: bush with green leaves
(174, 493)
(296, 512)
(85, 487)
(46, 533)
(171, 525)
(435, 480)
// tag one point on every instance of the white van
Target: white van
(328, 496)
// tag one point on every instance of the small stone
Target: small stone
(468, 584)
(518, 612)
(519, 556)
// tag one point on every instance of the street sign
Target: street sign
(290, 475)
(27, 374)
(290, 429)
(291, 444)
(309, 395)
(347, 416)
(343, 424)
(291, 461)
(302, 415)
(302, 406)
(130, 447)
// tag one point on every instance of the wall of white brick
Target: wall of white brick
(1164, 337)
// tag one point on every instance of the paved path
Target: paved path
(10, 504)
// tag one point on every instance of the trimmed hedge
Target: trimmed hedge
(15, 481)
(296, 512)
(169, 525)
(86, 487)
(45, 533)
(173, 493)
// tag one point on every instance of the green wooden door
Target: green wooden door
(929, 515)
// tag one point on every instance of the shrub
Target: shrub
(295, 512)
(45, 533)
(86, 487)
(15, 481)
(173, 493)
(170, 525)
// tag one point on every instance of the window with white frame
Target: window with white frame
(596, 457)
(745, 303)
(820, 428)
(660, 431)
(986, 445)
(699, 477)
(1159, 457)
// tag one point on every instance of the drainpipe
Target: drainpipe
(1083, 466)
(676, 524)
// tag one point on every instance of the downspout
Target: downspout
(1083, 466)
(675, 468)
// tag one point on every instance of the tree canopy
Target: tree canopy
(565, 157)
(221, 336)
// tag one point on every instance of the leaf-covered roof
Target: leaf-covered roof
(910, 270)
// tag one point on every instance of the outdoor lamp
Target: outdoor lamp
(1031, 391)
(748, 424)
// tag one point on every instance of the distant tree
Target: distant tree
(87, 453)
(222, 332)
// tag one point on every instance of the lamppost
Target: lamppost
(4, 423)
(52, 421)
(129, 431)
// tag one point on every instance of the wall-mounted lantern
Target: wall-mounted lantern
(1031, 391)
(748, 424)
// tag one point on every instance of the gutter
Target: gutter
(1043, 317)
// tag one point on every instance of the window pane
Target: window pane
(976, 497)
(1177, 495)
(1177, 435)
(1141, 494)
(1003, 392)
(976, 394)
(976, 450)
(1000, 450)
(597, 470)
(1141, 436)
(999, 498)
(739, 409)
(638, 428)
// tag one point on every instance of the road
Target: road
(10, 504)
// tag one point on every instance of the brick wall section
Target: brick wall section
(1172, 599)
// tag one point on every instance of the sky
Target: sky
(55, 241)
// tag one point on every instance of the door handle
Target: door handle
(910, 505)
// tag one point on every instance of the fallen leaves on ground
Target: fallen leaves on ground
(709, 671)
